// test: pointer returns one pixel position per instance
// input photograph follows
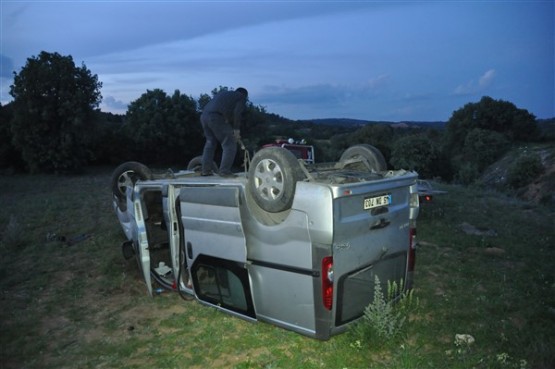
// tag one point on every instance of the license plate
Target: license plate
(377, 201)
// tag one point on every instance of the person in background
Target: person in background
(221, 123)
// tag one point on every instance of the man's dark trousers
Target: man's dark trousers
(217, 130)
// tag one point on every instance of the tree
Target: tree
(164, 129)
(489, 114)
(479, 133)
(53, 102)
(416, 152)
(483, 147)
(379, 135)
(9, 156)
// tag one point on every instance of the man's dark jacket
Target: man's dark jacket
(230, 104)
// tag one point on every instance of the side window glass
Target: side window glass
(223, 283)
(221, 286)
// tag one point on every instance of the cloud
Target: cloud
(358, 99)
(324, 95)
(114, 105)
(378, 82)
(472, 87)
(130, 25)
(487, 79)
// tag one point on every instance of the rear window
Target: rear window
(356, 289)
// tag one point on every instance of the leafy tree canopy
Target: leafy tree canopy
(53, 103)
(494, 115)
(416, 152)
(483, 147)
(164, 129)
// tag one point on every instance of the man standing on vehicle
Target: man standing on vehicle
(221, 123)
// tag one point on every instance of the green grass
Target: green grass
(84, 306)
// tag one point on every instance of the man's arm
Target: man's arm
(240, 107)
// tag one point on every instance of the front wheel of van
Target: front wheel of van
(363, 157)
(125, 176)
(273, 176)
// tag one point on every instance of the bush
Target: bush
(417, 153)
(164, 129)
(384, 318)
(483, 147)
(524, 170)
(467, 173)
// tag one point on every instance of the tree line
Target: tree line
(54, 125)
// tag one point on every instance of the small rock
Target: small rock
(465, 339)
(494, 251)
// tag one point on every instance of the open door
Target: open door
(216, 250)
(143, 255)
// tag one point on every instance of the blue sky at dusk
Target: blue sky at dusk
(371, 60)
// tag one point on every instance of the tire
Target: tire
(371, 159)
(273, 176)
(196, 165)
(125, 176)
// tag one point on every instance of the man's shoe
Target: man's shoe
(228, 175)
(207, 174)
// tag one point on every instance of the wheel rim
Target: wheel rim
(125, 180)
(268, 179)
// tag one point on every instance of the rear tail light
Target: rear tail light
(327, 282)
(412, 249)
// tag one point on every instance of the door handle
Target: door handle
(382, 223)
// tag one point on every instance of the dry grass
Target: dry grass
(84, 306)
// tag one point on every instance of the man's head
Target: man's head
(243, 91)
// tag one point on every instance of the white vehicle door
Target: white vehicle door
(142, 243)
(215, 247)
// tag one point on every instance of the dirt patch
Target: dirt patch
(231, 360)
(476, 231)
(490, 251)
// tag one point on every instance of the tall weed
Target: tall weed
(385, 316)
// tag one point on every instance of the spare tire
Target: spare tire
(125, 176)
(273, 176)
(366, 157)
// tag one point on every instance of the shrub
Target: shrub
(483, 147)
(417, 153)
(384, 317)
(524, 170)
(467, 173)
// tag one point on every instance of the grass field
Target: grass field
(81, 305)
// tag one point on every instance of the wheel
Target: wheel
(196, 165)
(366, 157)
(126, 175)
(273, 176)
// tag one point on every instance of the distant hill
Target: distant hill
(347, 122)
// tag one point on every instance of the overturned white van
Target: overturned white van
(287, 243)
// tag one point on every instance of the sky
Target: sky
(370, 60)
